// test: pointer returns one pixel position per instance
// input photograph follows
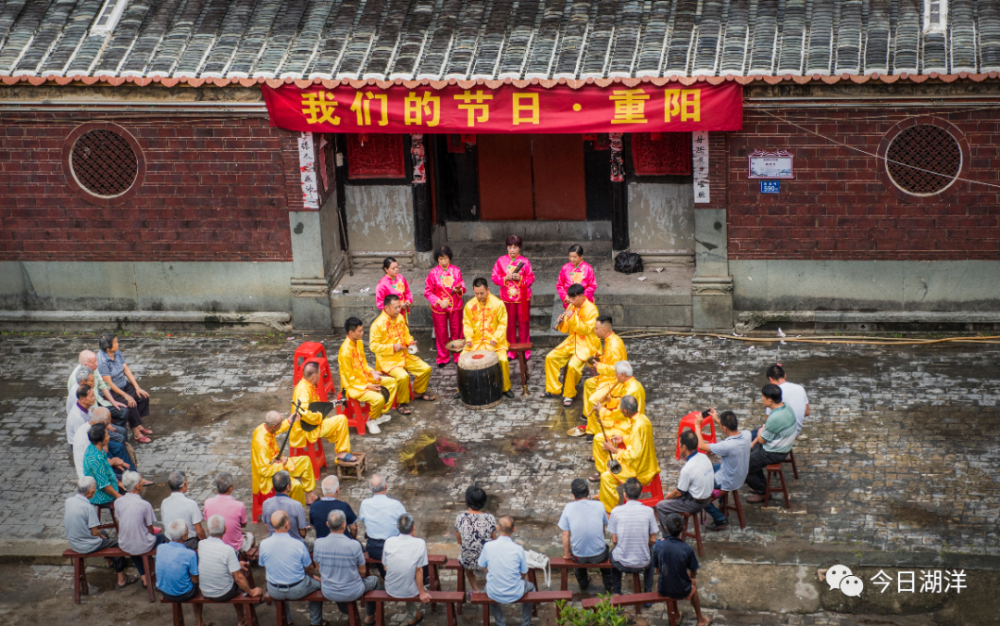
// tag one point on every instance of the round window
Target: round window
(923, 160)
(104, 163)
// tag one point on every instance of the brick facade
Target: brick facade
(215, 189)
(839, 207)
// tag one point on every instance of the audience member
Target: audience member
(291, 574)
(117, 454)
(695, 483)
(473, 529)
(177, 568)
(677, 564)
(79, 413)
(582, 524)
(136, 534)
(280, 501)
(83, 377)
(405, 558)
(232, 511)
(792, 395)
(97, 466)
(179, 506)
(319, 511)
(222, 575)
(112, 367)
(633, 530)
(380, 513)
(772, 443)
(81, 522)
(83, 362)
(102, 391)
(341, 565)
(506, 564)
(734, 456)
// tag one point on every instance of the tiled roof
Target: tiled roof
(546, 41)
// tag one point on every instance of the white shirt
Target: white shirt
(697, 477)
(81, 439)
(179, 506)
(76, 418)
(402, 555)
(71, 398)
(795, 397)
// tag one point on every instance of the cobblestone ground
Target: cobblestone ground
(897, 454)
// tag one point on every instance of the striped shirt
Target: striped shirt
(632, 523)
(779, 430)
(95, 465)
(115, 368)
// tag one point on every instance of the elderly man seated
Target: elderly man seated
(79, 413)
(177, 568)
(97, 465)
(116, 453)
(178, 506)
(380, 514)
(102, 391)
(342, 565)
(232, 511)
(291, 573)
(222, 575)
(405, 559)
(319, 511)
(81, 521)
(282, 502)
(506, 564)
(136, 534)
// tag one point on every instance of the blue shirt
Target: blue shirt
(175, 565)
(296, 514)
(284, 558)
(674, 558)
(380, 513)
(115, 368)
(320, 510)
(505, 563)
(585, 520)
(734, 452)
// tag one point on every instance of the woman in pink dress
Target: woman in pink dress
(393, 283)
(513, 273)
(444, 290)
(576, 271)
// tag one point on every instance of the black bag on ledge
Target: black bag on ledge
(628, 263)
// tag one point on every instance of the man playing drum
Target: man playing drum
(485, 326)
(389, 338)
(358, 380)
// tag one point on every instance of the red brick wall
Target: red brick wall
(838, 207)
(214, 190)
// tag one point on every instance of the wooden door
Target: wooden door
(560, 188)
(505, 185)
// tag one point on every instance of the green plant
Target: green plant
(601, 615)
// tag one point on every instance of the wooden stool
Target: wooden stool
(110, 506)
(692, 517)
(774, 469)
(726, 507)
(344, 467)
(522, 362)
(791, 459)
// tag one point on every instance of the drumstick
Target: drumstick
(298, 404)
(613, 465)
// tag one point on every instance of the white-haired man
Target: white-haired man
(232, 511)
(177, 568)
(609, 413)
(380, 513)
(178, 506)
(81, 522)
(342, 566)
(319, 511)
(264, 461)
(117, 453)
(136, 534)
(221, 574)
(102, 391)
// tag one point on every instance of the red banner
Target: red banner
(480, 110)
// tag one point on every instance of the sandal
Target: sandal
(146, 431)
(130, 579)
(143, 439)
(546, 394)
(347, 458)
(567, 402)
(427, 397)
(404, 410)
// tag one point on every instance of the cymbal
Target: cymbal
(455, 345)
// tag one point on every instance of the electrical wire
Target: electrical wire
(856, 340)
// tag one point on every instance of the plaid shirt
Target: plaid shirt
(95, 465)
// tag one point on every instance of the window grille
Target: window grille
(104, 163)
(923, 160)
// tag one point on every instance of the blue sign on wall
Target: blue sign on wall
(770, 186)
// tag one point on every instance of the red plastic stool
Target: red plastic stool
(324, 386)
(306, 351)
(258, 505)
(652, 493)
(315, 453)
(355, 411)
(688, 422)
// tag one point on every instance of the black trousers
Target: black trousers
(759, 458)
(137, 412)
(583, 575)
(618, 571)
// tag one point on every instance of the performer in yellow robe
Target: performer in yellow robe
(580, 344)
(358, 380)
(638, 459)
(264, 448)
(389, 337)
(484, 322)
(311, 425)
(597, 388)
(611, 416)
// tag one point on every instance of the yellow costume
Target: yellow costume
(333, 428)
(638, 459)
(614, 422)
(385, 332)
(263, 448)
(596, 388)
(483, 323)
(580, 344)
(355, 376)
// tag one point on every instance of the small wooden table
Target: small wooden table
(519, 349)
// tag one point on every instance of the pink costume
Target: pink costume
(516, 296)
(447, 318)
(399, 287)
(581, 274)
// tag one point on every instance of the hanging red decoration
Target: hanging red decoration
(661, 154)
(375, 156)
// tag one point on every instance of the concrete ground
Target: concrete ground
(897, 469)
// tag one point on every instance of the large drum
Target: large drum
(480, 379)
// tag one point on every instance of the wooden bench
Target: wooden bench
(434, 561)
(353, 616)
(449, 598)
(565, 565)
(534, 597)
(80, 587)
(460, 573)
(638, 600)
(242, 599)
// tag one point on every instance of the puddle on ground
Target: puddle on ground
(430, 455)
